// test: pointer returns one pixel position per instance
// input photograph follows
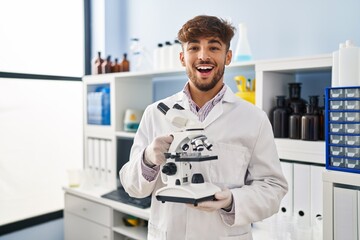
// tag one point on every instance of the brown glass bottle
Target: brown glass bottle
(295, 97)
(106, 65)
(125, 64)
(115, 67)
(295, 123)
(96, 67)
(310, 125)
(280, 118)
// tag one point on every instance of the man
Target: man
(248, 168)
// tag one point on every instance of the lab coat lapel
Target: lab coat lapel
(214, 114)
(218, 109)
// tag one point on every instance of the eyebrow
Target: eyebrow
(210, 41)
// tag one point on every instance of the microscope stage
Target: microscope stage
(192, 193)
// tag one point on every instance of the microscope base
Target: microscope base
(192, 193)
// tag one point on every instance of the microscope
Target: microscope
(183, 186)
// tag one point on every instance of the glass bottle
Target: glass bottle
(310, 125)
(96, 64)
(295, 123)
(314, 101)
(280, 118)
(243, 51)
(106, 65)
(295, 97)
(115, 66)
(125, 64)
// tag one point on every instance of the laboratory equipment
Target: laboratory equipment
(182, 185)
(243, 51)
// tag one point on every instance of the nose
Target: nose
(203, 55)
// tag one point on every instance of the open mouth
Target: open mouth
(204, 69)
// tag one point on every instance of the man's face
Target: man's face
(205, 60)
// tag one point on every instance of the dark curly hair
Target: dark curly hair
(207, 26)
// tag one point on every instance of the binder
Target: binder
(110, 167)
(103, 175)
(302, 200)
(97, 161)
(90, 154)
(316, 193)
(286, 205)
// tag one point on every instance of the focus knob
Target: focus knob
(197, 178)
(169, 169)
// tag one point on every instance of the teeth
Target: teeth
(204, 68)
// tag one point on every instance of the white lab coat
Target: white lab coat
(247, 164)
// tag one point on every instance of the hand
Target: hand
(223, 199)
(154, 153)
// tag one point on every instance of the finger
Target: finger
(168, 139)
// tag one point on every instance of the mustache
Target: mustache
(205, 62)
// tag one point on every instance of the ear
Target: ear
(182, 60)
(228, 57)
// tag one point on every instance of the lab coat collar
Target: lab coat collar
(216, 112)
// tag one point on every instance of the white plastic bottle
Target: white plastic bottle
(243, 51)
(174, 55)
(335, 67)
(157, 57)
(349, 63)
(167, 55)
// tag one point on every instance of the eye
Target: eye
(214, 48)
(193, 48)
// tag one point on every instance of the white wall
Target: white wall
(276, 28)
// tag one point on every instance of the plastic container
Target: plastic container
(349, 65)
(167, 55)
(175, 55)
(243, 51)
(98, 103)
(246, 88)
(335, 67)
(158, 57)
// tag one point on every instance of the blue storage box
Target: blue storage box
(342, 123)
(98, 104)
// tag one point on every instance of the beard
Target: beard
(205, 86)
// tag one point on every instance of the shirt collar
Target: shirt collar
(208, 105)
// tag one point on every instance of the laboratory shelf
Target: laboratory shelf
(300, 150)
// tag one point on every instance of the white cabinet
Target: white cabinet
(89, 216)
(341, 205)
(86, 219)
(80, 228)
(135, 91)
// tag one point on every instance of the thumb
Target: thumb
(222, 195)
(168, 139)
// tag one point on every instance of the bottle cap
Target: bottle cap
(349, 43)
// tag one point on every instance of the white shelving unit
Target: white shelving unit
(342, 219)
(135, 90)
